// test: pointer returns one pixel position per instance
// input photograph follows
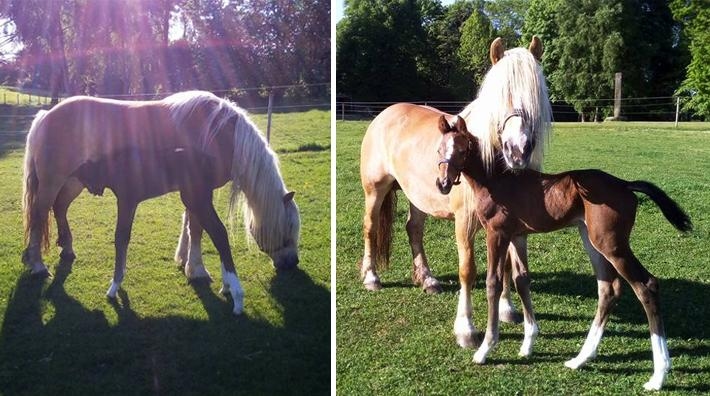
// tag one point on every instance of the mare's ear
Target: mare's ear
(460, 125)
(536, 48)
(444, 126)
(497, 50)
(288, 196)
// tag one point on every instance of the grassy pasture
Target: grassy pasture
(400, 341)
(164, 336)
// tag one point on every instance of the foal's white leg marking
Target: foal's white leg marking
(230, 283)
(111, 293)
(531, 332)
(194, 267)
(463, 328)
(370, 278)
(482, 352)
(661, 363)
(589, 349)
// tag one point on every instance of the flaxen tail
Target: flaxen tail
(668, 206)
(30, 186)
(383, 241)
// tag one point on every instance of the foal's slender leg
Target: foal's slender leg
(199, 203)
(646, 288)
(609, 292)
(421, 274)
(496, 244)
(521, 278)
(465, 331)
(124, 224)
(71, 189)
(194, 267)
(508, 313)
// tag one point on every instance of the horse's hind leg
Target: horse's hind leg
(521, 278)
(183, 245)
(124, 224)
(199, 204)
(508, 313)
(40, 205)
(191, 257)
(464, 330)
(372, 227)
(71, 189)
(421, 274)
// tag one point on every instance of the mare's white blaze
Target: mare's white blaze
(531, 332)
(111, 293)
(230, 282)
(589, 349)
(463, 328)
(661, 363)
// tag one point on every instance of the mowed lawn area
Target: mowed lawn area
(163, 335)
(400, 340)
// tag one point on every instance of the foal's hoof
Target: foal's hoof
(40, 274)
(67, 256)
(373, 286)
(512, 317)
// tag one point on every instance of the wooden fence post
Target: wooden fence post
(268, 117)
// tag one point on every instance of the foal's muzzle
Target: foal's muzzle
(444, 185)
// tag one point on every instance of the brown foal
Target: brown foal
(514, 204)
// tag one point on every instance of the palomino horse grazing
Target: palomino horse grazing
(514, 204)
(512, 111)
(192, 142)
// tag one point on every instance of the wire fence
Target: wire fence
(18, 108)
(662, 108)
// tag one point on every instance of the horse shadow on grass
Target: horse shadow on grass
(50, 343)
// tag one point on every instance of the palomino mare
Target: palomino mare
(512, 111)
(190, 142)
(513, 204)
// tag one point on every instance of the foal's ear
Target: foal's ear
(497, 50)
(288, 196)
(460, 125)
(444, 126)
(536, 48)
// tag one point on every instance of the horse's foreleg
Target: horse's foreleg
(124, 224)
(465, 331)
(194, 267)
(421, 274)
(521, 278)
(508, 313)
(199, 204)
(183, 245)
(71, 189)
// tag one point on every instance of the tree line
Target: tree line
(410, 50)
(109, 48)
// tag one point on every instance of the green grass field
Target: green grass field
(400, 341)
(164, 336)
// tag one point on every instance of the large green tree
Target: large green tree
(695, 17)
(477, 33)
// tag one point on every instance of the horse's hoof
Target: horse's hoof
(512, 317)
(373, 286)
(434, 288)
(470, 341)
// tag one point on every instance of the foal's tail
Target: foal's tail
(30, 184)
(668, 206)
(383, 241)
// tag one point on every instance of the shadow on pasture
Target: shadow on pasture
(51, 343)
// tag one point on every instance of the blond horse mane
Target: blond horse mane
(516, 81)
(255, 168)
